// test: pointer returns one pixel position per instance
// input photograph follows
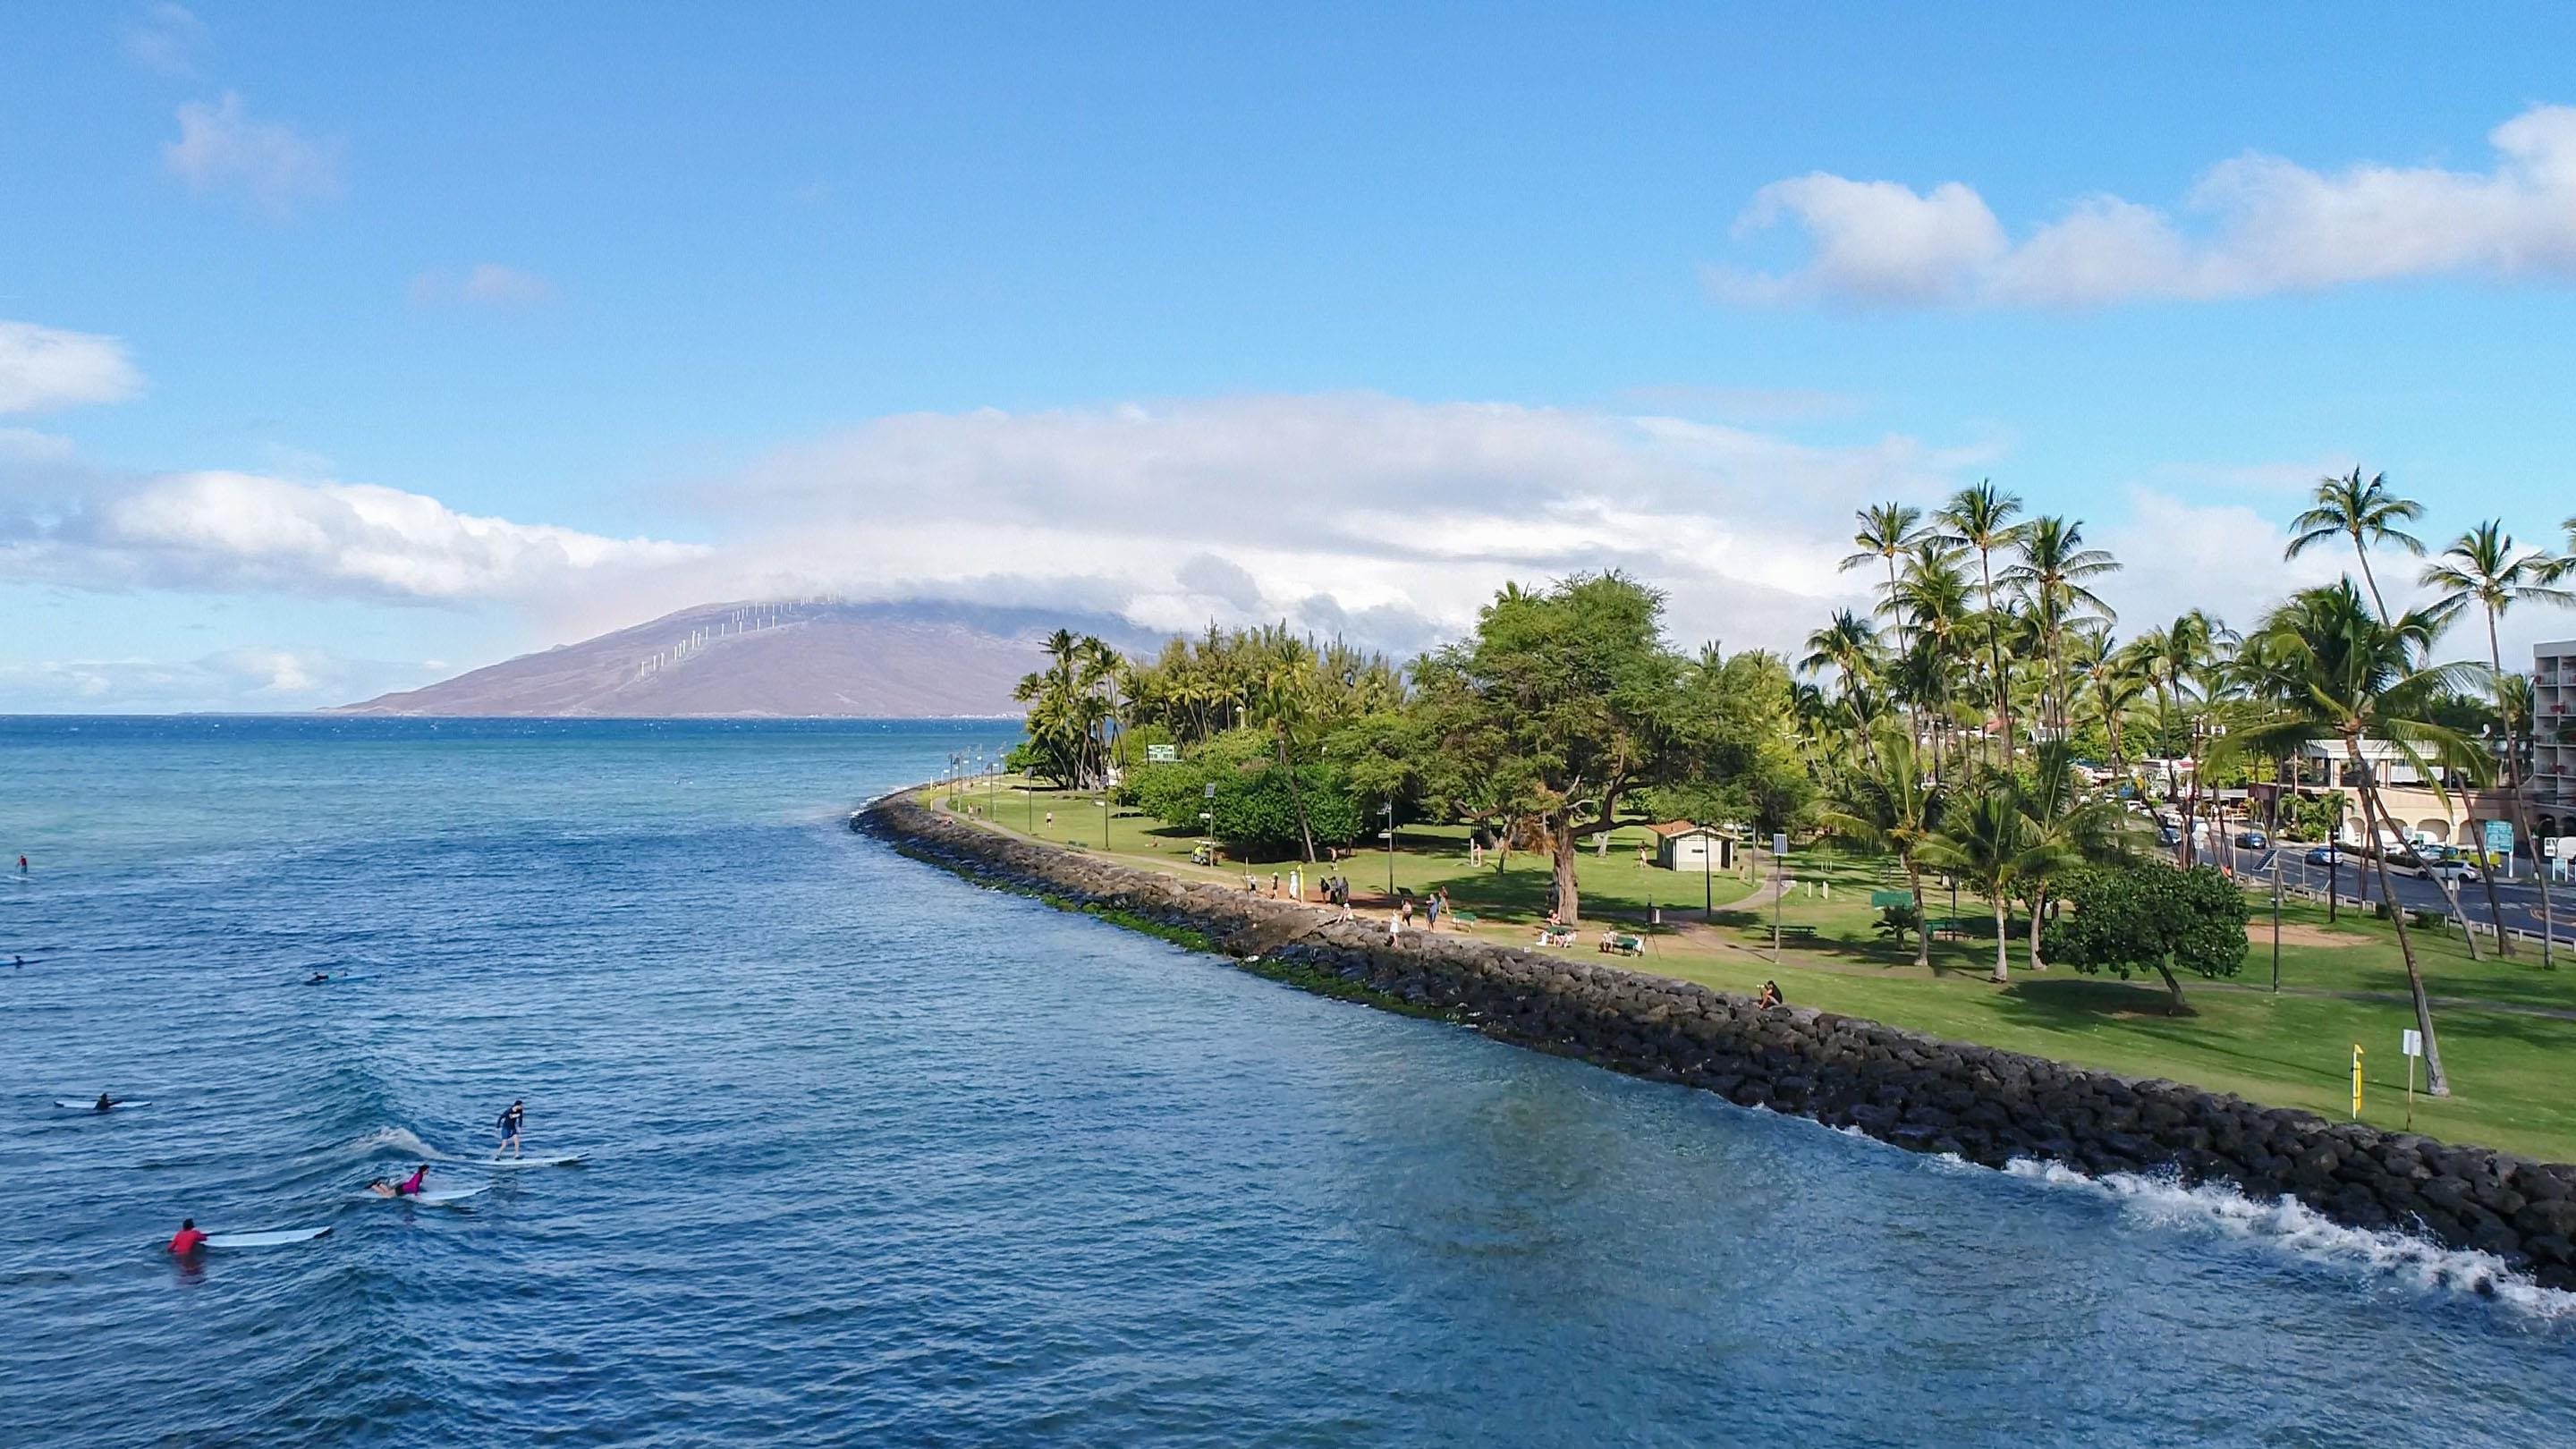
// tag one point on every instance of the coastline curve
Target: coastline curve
(1980, 1104)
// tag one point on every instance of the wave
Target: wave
(396, 1142)
(2293, 1227)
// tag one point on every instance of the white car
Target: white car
(2452, 869)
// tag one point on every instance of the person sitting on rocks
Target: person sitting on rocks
(1770, 996)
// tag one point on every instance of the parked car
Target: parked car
(2252, 839)
(2169, 835)
(2454, 868)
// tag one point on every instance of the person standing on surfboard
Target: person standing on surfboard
(187, 1240)
(511, 1122)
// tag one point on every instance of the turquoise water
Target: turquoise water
(875, 1157)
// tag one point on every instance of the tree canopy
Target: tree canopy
(2152, 917)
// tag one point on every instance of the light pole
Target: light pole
(1388, 810)
(1707, 883)
(1103, 803)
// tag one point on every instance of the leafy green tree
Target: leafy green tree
(1562, 703)
(2152, 917)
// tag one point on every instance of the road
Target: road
(2520, 898)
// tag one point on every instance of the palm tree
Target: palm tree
(2330, 670)
(1848, 645)
(2366, 513)
(1981, 518)
(1888, 531)
(2054, 572)
(2482, 567)
(1893, 804)
(1985, 839)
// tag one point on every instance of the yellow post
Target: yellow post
(2356, 1081)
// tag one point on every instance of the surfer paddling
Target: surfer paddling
(512, 1121)
(408, 1187)
(105, 1102)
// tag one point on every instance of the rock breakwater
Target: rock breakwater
(1984, 1105)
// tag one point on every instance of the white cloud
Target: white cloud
(167, 39)
(488, 284)
(253, 678)
(221, 148)
(239, 532)
(2262, 225)
(1335, 511)
(45, 367)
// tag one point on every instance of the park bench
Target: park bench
(1556, 936)
(1614, 943)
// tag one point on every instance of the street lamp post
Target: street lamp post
(1388, 810)
(1103, 803)
(1707, 883)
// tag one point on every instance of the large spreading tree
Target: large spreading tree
(1562, 703)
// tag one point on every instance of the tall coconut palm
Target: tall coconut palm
(1985, 839)
(2367, 513)
(2055, 572)
(1893, 804)
(1888, 531)
(1980, 518)
(2331, 671)
(2483, 568)
(1847, 645)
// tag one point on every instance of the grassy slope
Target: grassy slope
(2512, 1080)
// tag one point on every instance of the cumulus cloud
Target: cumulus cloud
(1382, 518)
(45, 367)
(487, 284)
(223, 149)
(2256, 224)
(240, 532)
(167, 39)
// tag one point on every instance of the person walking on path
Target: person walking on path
(1296, 885)
(1431, 913)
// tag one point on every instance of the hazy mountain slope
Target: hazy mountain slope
(769, 659)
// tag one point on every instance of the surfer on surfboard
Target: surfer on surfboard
(187, 1240)
(512, 1121)
(408, 1187)
(105, 1102)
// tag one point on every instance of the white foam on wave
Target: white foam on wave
(396, 1142)
(2293, 1227)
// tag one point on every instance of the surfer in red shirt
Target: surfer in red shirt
(187, 1240)
(408, 1187)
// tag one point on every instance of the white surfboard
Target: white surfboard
(269, 1239)
(565, 1160)
(435, 1197)
(91, 1105)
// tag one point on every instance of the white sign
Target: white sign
(2414, 1043)
(1162, 754)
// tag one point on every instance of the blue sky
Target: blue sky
(342, 348)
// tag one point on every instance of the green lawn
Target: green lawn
(2513, 1072)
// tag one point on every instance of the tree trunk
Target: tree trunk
(2038, 904)
(2435, 1084)
(2003, 936)
(2368, 577)
(1922, 922)
(1298, 797)
(1995, 656)
(2521, 826)
(1564, 849)
(2175, 1005)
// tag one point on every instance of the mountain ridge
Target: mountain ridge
(792, 659)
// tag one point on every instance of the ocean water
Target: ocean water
(872, 1156)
